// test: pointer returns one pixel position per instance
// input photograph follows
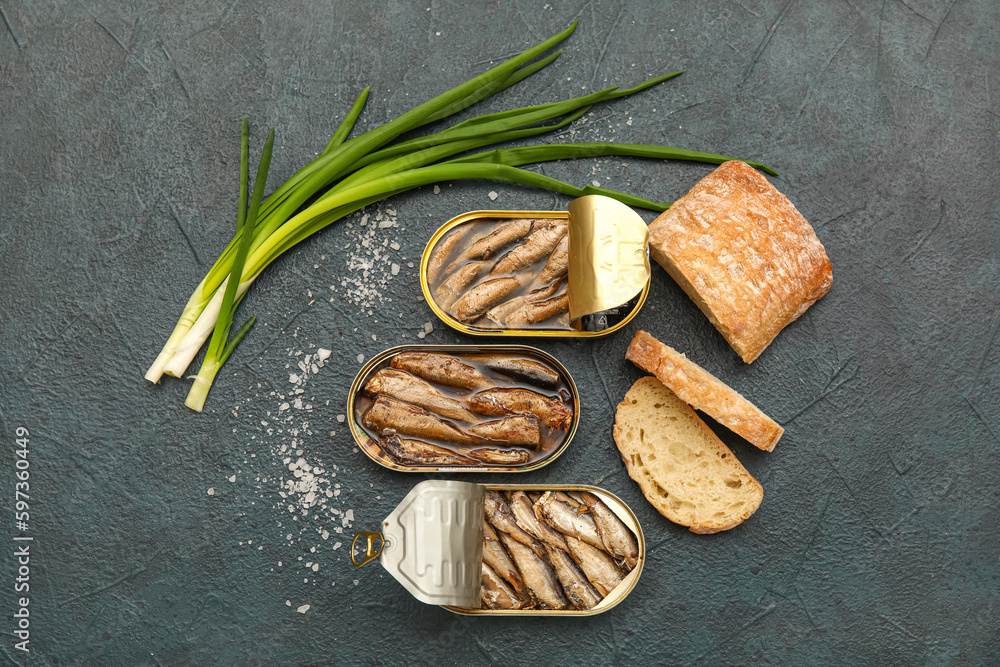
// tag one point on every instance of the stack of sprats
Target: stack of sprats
(465, 409)
(553, 551)
(508, 274)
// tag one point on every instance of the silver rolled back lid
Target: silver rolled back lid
(434, 542)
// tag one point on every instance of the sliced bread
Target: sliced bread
(744, 254)
(682, 467)
(703, 391)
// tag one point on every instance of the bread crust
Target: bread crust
(658, 491)
(744, 254)
(703, 391)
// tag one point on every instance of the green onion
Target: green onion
(347, 124)
(320, 173)
(219, 348)
(350, 174)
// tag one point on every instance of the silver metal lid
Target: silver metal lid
(434, 542)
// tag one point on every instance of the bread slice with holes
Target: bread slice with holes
(703, 391)
(682, 467)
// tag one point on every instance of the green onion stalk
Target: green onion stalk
(353, 173)
(220, 347)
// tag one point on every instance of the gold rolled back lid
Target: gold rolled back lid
(608, 264)
(434, 542)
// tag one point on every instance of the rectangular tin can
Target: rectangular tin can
(374, 450)
(432, 544)
(608, 276)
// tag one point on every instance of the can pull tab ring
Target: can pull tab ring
(370, 552)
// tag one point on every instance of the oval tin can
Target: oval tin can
(608, 276)
(432, 544)
(374, 450)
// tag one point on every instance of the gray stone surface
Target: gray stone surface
(877, 540)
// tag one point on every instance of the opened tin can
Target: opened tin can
(463, 408)
(437, 544)
(577, 273)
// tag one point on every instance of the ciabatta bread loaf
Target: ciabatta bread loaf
(744, 254)
(703, 391)
(682, 467)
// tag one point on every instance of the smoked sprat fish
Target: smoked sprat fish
(500, 457)
(519, 430)
(415, 452)
(539, 311)
(499, 514)
(406, 387)
(538, 244)
(496, 557)
(558, 264)
(443, 249)
(540, 565)
(422, 395)
(474, 303)
(457, 283)
(497, 240)
(389, 416)
(579, 591)
(498, 314)
(568, 520)
(519, 368)
(496, 593)
(538, 575)
(617, 538)
(494, 281)
(441, 369)
(524, 514)
(552, 412)
(600, 568)
(546, 291)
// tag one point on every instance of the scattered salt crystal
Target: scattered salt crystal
(386, 224)
(211, 492)
(421, 335)
(323, 354)
(341, 418)
(356, 582)
(233, 478)
(437, 190)
(596, 184)
(293, 378)
(428, 327)
(288, 603)
(304, 608)
(315, 567)
(336, 545)
(394, 245)
(374, 338)
(361, 358)
(364, 220)
(493, 195)
(395, 269)
(282, 407)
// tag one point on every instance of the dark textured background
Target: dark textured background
(877, 540)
